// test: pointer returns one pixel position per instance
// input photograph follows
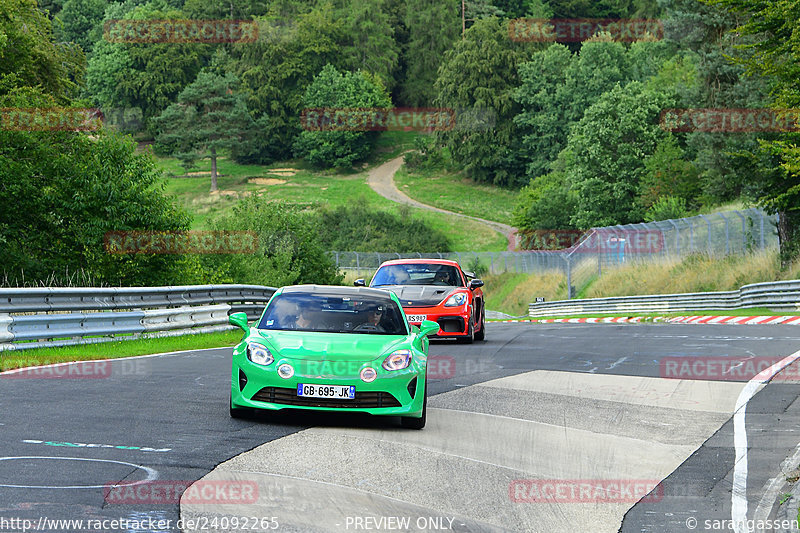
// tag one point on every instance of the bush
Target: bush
(667, 207)
(360, 228)
(290, 249)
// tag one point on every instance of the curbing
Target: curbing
(708, 319)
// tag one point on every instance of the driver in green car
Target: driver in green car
(374, 316)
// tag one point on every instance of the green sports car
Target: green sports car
(332, 348)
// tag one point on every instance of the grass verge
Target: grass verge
(10, 360)
(454, 192)
(291, 182)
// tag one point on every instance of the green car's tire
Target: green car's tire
(417, 423)
(481, 333)
(240, 412)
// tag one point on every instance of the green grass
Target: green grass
(306, 186)
(447, 190)
(10, 360)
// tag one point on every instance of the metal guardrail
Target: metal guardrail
(777, 295)
(47, 317)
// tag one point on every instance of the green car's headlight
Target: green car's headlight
(259, 354)
(398, 360)
(455, 300)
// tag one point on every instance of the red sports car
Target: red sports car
(437, 290)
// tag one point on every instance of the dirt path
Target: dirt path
(381, 179)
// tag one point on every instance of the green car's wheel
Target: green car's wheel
(417, 423)
(481, 333)
(240, 412)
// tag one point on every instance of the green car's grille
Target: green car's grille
(363, 400)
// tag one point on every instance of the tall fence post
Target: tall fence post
(569, 277)
(762, 230)
(727, 234)
(744, 230)
(710, 247)
(677, 238)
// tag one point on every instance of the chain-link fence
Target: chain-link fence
(583, 256)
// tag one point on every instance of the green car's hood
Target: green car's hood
(331, 346)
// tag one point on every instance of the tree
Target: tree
(431, 32)
(542, 96)
(606, 152)
(208, 117)
(61, 192)
(275, 71)
(28, 56)
(148, 76)
(479, 75)
(371, 45)
(667, 173)
(334, 90)
(773, 51)
(546, 203)
(81, 22)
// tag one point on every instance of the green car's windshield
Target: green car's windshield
(334, 314)
(417, 274)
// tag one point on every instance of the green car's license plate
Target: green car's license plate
(340, 392)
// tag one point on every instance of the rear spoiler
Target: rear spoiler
(469, 274)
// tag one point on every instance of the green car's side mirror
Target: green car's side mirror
(239, 319)
(428, 327)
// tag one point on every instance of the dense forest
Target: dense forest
(576, 127)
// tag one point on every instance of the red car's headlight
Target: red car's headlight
(457, 299)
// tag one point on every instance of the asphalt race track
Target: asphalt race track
(518, 427)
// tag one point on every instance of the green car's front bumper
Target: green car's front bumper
(392, 393)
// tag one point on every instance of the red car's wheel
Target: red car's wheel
(481, 333)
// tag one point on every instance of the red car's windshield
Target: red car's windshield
(418, 274)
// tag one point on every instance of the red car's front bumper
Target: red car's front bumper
(453, 321)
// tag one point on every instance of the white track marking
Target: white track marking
(152, 475)
(739, 493)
